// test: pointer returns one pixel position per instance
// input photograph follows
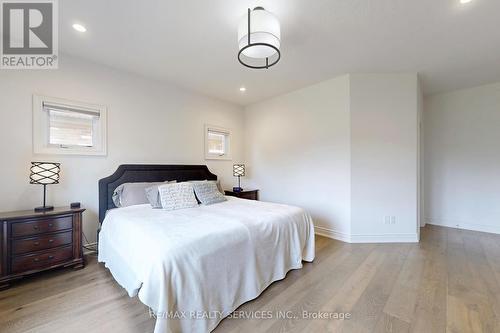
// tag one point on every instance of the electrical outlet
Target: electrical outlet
(389, 219)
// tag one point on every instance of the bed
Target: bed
(193, 267)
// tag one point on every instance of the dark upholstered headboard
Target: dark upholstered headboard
(136, 173)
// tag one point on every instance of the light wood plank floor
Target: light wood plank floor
(448, 282)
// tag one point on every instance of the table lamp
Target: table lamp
(238, 171)
(44, 173)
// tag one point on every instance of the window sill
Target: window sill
(68, 151)
(222, 158)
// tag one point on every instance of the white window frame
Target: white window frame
(227, 132)
(41, 143)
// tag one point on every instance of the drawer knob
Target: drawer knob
(36, 243)
(36, 260)
(50, 225)
(35, 227)
(51, 257)
(51, 241)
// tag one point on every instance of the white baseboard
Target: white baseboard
(330, 233)
(385, 238)
(463, 225)
(382, 238)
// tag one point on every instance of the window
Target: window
(65, 127)
(71, 128)
(217, 143)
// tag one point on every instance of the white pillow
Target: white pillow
(177, 196)
(129, 194)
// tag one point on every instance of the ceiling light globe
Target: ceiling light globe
(264, 28)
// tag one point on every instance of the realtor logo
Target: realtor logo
(29, 34)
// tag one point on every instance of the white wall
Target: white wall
(462, 158)
(346, 150)
(384, 156)
(148, 122)
(297, 151)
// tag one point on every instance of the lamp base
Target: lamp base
(44, 209)
(237, 189)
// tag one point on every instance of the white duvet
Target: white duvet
(195, 266)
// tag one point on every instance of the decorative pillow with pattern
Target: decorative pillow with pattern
(208, 193)
(153, 195)
(177, 196)
(219, 186)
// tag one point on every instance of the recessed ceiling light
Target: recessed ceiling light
(465, 1)
(243, 89)
(79, 27)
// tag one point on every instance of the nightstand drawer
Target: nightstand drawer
(41, 243)
(41, 226)
(248, 194)
(41, 260)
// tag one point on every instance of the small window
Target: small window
(69, 128)
(217, 143)
(65, 127)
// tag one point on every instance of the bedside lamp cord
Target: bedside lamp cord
(92, 249)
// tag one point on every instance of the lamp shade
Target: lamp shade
(44, 173)
(239, 170)
(264, 31)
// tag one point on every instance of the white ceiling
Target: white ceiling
(193, 43)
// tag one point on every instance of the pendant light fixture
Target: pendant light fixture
(259, 41)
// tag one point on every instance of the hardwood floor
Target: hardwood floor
(450, 281)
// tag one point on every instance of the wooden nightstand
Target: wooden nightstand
(31, 242)
(250, 194)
